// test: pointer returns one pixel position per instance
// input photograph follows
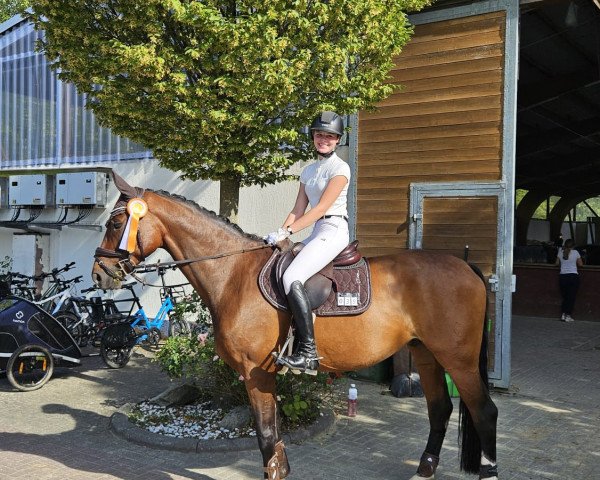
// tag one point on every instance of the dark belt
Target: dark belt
(340, 216)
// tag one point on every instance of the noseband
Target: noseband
(124, 266)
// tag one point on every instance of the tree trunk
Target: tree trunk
(229, 199)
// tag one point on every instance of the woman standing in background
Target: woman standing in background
(569, 259)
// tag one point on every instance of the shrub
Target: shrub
(194, 358)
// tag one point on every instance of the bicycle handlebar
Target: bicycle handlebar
(53, 273)
(66, 268)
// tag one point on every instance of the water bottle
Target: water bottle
(352, 400)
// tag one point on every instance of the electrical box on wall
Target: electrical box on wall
(31, 190)
(81, 188)
(3, 192)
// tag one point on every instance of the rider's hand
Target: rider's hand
(275, 237)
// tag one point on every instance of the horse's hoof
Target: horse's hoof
(419, 477)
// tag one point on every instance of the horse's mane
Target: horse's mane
(204, 211)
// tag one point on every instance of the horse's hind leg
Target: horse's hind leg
(478, 421)
(439, 408)
(261, 391)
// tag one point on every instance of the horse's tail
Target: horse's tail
(470, 457)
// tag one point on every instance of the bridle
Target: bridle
(124, 266)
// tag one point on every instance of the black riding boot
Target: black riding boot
(305, 358)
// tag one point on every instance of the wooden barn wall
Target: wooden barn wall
(445, 124)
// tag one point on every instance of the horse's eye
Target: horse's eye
(117, 225)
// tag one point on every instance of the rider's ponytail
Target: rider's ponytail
(567, 249)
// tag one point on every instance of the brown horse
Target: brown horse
(434, 303)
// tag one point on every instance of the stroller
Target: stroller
(32, 342)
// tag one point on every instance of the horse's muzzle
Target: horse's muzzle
(102, 280)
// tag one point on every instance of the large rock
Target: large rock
(177, 396)
(238, 417)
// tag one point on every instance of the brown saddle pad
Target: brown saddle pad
(337, 290)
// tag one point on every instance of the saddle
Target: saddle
(341, 288)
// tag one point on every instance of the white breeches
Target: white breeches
(328, 238)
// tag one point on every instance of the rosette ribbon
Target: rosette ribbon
(136, 208)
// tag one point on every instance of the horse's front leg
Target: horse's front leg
(261, 391)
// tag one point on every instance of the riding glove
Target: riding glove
(275, 237)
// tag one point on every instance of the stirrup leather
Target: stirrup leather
(287, 349)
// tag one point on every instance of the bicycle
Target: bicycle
(57, 297)
(70, 309)
(118, 340)
(98, 314)
(59, 300)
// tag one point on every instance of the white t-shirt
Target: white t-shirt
(569, 265)
(315, 178)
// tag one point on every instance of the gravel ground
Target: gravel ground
(199, 421)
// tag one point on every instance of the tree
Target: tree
(8, 8)
(222, 89)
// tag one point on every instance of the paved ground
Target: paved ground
(548, 426)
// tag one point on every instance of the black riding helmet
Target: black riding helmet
(329, 122)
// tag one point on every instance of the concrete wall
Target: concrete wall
(261, 210)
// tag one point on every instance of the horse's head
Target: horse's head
(128, 239)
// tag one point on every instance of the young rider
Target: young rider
(323, 185)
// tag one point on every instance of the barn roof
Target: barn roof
(558, 119)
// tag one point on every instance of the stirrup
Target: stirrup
(306, 368)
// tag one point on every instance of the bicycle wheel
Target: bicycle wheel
(73, 324)
(116, 344)
(153, 337)
(178, 327)
(115, 357)
(29, 367)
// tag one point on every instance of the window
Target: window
(44, 121)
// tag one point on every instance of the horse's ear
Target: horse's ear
(123, 186)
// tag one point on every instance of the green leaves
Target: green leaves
(295, 409)
(216, 88)
(195, 358)
(8, 8)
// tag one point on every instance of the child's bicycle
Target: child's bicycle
(118, 340)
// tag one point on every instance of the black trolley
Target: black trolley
(32, 343)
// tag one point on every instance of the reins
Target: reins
(175, 263)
